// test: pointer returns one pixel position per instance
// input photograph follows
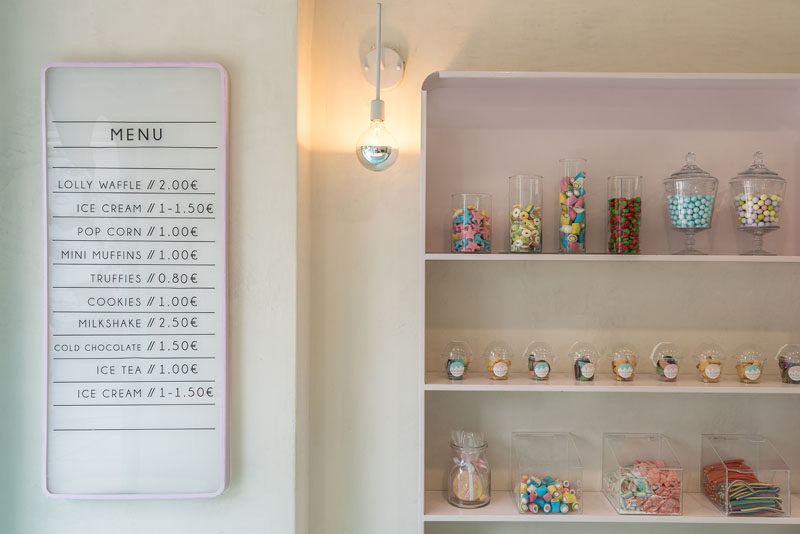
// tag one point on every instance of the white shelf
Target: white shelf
(643, 383)
(612, 257)
(596, 509)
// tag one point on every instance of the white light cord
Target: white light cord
(378, 60)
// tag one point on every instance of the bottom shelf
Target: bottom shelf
(596, 509)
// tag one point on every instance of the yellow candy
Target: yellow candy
(562, 198)
(576, 228)
(551, 488)
(571, 499)
(564, 220)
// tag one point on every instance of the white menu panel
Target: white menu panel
(135, 187)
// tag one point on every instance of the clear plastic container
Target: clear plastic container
(744, 475)
(624, 214)
(642, 474)
(584, 357)
(749, 364)
(539, 356)
(546, 472)
(471, 229)
(788, 358)
(624, 358)
(710, 359)
(456, 357)
(525, 213)
(497, 356)
(666, 358)
(691, 192)
(757, 202)
(469, 480)
(572, 204)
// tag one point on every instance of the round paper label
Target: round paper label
(625, 370)
(671, 371)
(588, 370)
(456, 368)
(712, 371)
(500, 369)
(541, 369)
(794, 373)
(752, 372)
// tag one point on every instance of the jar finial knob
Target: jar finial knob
(691, 159)
(758, 159)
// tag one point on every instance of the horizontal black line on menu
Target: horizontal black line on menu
(137, 146)
(132, 381)
(135, 311)
(130, 122)
(132, 217)
(128, 241)
(137, 405)
(127, 287)
(132, 193)
(142, 168)
(126, 429)
(140, 264)
(142, 358)
(130, 335)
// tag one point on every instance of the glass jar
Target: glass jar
(691, 192)
(789, 363)
(572, 195)
(498, 360)
(666, 359)
(471, 229)
(525, 213)
(469, 479)
(584, 358)
(757, 202)
(749, 363)
(624, 358)
(539, 357)
(710, 359)
(457, 355)
(624, 214)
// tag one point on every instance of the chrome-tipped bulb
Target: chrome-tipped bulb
(376, 148)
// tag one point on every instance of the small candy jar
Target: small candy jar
(584, 358)
(471, 229)
(709, 362)
(498, 359)
(572, 194)
(623, 362)
(457, 355)
(749, 363)
(539, 357)
(757, 202)
(469, 478)
(789, 363)
(525, 213)
(624, 214)
(690, 201)
(665, 357)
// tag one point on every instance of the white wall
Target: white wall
(256, 41)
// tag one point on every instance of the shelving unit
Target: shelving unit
(477, 129)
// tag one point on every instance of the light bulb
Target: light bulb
(376, 148)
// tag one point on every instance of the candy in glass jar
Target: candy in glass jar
(710, 358)
(789, 363)
(539, 357)
(584, 357)
(624, 214)
(525, 213)
(572, 203)
(498, 360)
(749, 363)
(456, 356)
(469, 477)
(666, 359)
(471, 223)
(691, 192)
(624, 358)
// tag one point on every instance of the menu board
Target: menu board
(135, 204)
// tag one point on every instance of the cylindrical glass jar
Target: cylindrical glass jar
(498, 360)
(471, 229)
(789, 363)
(666, 359)
(710, 359)
(624, 213)
(584, 357)
(749, 363)
(539, 357)
(623, 362)
(690, 201)
(456, 357)
(469, 479)
(572, 200)
(525, 213)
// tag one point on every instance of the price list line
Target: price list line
(64, 121)
(139, 358)
(137, 311)
(139, 146)
(136, 405)
(139, 168)
(128, 287)
(127, 429)
(131, 381)
(133, 217)
(131, 193)
(129, 241)
(139, 264)
(131, 335)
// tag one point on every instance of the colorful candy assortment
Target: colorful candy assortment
(572, 232)
(547, 495)
(667, 368)
(744, 494)
(540, 357)
(623, 362)
(457, 355)
(498, 360)
(624, 218)
(789, 363)
(690, 211)
(757, 210)
(471, 230)
(749, 362)
(646, 487)
(526, 228)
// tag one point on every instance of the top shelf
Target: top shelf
(612, 258)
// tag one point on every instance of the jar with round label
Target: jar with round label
(749, 361)
(665, 357)
(498, 359)
(584, 358)
(710, 358)
(624, 358)
(789, 363)
(539, 357)
(457, 355)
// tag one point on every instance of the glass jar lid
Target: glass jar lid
(690, 171)
(757, 171)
